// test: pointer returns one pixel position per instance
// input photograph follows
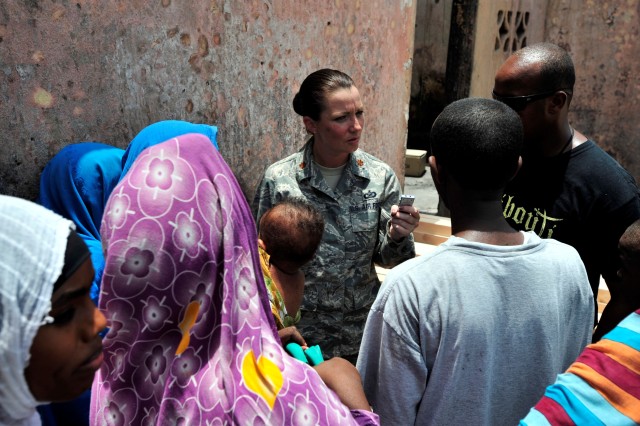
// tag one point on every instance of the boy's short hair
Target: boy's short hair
(291, 231)
(478, 141)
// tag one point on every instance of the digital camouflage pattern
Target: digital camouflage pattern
(341, 281)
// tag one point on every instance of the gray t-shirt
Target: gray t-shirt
(473, 333)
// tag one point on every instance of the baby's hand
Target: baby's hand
(291, 334)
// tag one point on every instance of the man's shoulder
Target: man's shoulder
(593, 161)
(598, 175)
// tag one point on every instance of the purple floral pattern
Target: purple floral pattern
(187, 235)
(119, 410)
(123, 327)
(186, 305)
(155, 314)
(150, 418)
(179, 413)
(198, 287)
(137, 262)
(118, 209)
(156, 364)
(304, 411)
(185, 367)
(113, 416)
(141, 261)
(160, 174)
(118, 360)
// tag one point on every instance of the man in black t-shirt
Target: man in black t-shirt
(568, 188)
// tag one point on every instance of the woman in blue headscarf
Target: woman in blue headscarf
(160, 132)
(76, 184)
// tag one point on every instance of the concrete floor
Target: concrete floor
(424, 190)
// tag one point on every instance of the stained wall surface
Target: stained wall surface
(602, 38)
(90, 70)
(428, 98)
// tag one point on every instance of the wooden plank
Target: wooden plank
(430, 239)
(432, 224)
(433, 230)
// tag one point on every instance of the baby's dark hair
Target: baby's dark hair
(309, 101)
(291, 231)
(478, 141)
(631, 239)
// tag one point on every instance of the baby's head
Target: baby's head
(629, 249)
(290, 232)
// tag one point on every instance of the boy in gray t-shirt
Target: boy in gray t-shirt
(473, 332)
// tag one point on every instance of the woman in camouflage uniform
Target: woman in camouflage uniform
(357, 196)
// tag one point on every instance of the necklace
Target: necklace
(568, 142)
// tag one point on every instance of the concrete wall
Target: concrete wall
(604, 44)
(98, 70)
(433, 19)
(503, 26)
(602, 38)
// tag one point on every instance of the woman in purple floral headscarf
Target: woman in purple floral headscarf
(192, 340)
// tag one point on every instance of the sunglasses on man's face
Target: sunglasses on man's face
(518, 103)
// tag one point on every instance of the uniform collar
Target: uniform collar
(357, 163)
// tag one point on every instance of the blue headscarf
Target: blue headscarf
(160, 132)
(76, 184)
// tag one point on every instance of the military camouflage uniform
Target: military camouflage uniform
(341, 281)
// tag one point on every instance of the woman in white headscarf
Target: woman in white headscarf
(49, 342)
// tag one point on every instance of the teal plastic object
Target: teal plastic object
(295, 350)
(312, 355)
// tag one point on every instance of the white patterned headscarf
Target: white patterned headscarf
(33, 241)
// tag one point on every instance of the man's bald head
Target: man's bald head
(548, 65)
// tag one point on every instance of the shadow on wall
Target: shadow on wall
(424, 108)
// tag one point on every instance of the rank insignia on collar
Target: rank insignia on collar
(360, 162)
(301, 165)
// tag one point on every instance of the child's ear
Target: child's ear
(517, 168)
(433, 168)
(261, 244)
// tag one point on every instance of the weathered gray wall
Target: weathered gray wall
(102, 70)
(604, 44)
(602, 38)
(428, 96)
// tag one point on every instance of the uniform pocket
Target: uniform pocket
(364, 221)
(364, 227)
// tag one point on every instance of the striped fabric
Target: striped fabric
(601, 388)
